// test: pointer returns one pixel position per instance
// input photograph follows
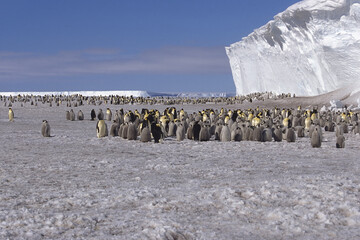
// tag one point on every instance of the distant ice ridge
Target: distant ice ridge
(83, 93)
(311, 48)
(121, 93)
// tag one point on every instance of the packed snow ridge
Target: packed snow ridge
(311, 48)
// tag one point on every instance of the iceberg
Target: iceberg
(311, 48)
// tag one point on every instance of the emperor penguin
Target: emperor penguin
(132, 132)
(290, 135)
(124, 130)
(93, 115)
(316, 138)
(266, 135)
(278, 134)
(72, 115)
(114, 129)
(218, 131)
(196, 130)
(340, 141)
(101, 129)
(236, 134)
(80, 115)
(172, 129)
(11, 115)
(339, 130)
(204, 134)
(108, 114)
(45, 129)
(180, 132)
(145, 135)
(300, 131)
(225, 135)
(100, 114)
(67, 115)
(257, 134)
(156, 132)
(356, 128)
(189, 132)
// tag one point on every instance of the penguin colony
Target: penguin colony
(263, 125)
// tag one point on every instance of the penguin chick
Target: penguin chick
(45, 129)
(132, 132)
(204, 134)
(290, 135)
(225, 135)
(114, 129)
(180, 132)
(316, 138)
(340, 141)
(145, 135)
(237, 135)
(80, 115)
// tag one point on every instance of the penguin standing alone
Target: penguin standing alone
(93, 115)
(11, 115)
(45, 129)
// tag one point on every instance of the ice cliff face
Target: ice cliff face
(311, 48)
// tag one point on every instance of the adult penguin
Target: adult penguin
(316, 138)
(101, 129)
(108, 114)
(80, 115)
(45, 129)
(93, 115)
(11, 115)
(156, 132)
(196, 130)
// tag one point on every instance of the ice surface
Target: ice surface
(311, 48)
(76, 186)
(83, 93)
(124, 93)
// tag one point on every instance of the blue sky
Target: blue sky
(152, 45)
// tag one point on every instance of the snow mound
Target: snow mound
(311, 48)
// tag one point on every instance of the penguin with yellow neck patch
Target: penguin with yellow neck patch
(11, 115)
(101, 129)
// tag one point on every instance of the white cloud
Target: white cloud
(169, 60)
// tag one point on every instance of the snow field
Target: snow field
(76, 186)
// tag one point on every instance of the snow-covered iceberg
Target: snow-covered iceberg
(311, 48)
